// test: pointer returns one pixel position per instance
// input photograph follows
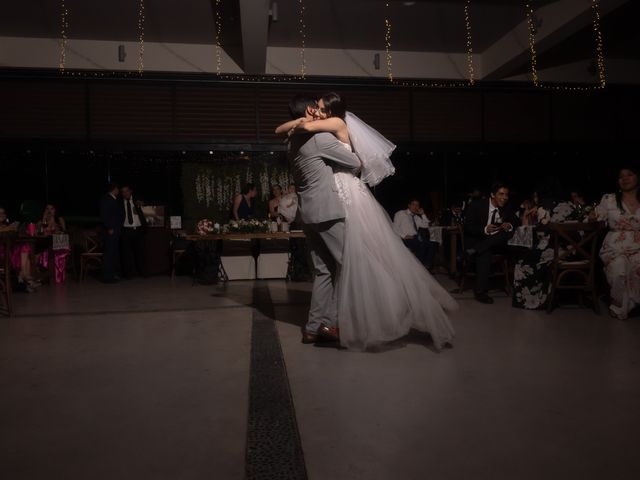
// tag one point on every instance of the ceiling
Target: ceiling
(355, 24)
(424, 25)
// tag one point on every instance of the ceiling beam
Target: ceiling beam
(254, 22)
(557, 22)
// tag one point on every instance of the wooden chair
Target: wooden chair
(573, 267)
(468, 267)
(92, 255)
(5, 277)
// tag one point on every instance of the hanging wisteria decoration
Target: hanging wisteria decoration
(220, 191)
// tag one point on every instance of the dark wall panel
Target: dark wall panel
(215, 113)
(517, 117)
(122, 111)
(42, 110)
(585, 116)
(447, 116)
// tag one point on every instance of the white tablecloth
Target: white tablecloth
(435, 234)
(523, 237)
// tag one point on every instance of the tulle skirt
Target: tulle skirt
(383, 290)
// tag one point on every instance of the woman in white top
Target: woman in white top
(621, 248)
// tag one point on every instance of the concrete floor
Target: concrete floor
(148, 379)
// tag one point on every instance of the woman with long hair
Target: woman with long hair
(621, 248)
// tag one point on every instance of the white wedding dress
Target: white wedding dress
(383, 290)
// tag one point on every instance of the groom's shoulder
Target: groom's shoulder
(314, 141)
(324, 138)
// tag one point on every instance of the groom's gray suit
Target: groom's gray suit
(313, 161)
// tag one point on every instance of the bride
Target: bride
(383, 290)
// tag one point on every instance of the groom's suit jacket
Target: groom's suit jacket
(313, 161)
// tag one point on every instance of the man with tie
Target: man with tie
(411, 224)
(132, 242)
(488, 226)
(111, 219)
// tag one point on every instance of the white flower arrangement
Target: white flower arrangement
(246, 226)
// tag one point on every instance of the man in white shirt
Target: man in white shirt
(132, 241)
(411, 225)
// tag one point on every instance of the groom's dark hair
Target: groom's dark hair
(298, 105)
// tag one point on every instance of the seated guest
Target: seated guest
(51, 224)
(274, 203)
(488, 226)
(288, 206)
(454, 215)
(19, 256)
(529, 211)
(132, 239)
(473, 195)
(243, 203)
(532, 274)
(411, 224)
(621, 248)
(577, 198)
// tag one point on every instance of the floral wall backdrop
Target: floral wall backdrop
(209, 185)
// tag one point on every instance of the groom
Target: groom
(321, 213)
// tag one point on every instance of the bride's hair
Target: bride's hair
(335, 105)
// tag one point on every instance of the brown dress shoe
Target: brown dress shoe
(309, 337)
(329, 334)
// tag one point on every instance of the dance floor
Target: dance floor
(160, 379)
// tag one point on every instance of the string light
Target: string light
(303, 38)
(602, 79)
(467, 21)
(387, 40)
(64, 27)
(218, 37)
(141, 36)
(532, 44)
(602, 75)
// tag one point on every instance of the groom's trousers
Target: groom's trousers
(326, 242)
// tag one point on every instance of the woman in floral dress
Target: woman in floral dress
(621, 248)
(532, 274)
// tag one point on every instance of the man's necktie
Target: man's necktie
(129, 213)
(415, 225)
(493, 216)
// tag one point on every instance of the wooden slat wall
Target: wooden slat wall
(273, 105)
(180, 112)
(447, 116)
(120, 111)
(584, 116)
(629, 116)
(386, 111)
(42, 110)
(517, 117)
(215, 113)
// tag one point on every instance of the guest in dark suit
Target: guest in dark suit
(489, 224)
(132, 240)
(111, 218)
